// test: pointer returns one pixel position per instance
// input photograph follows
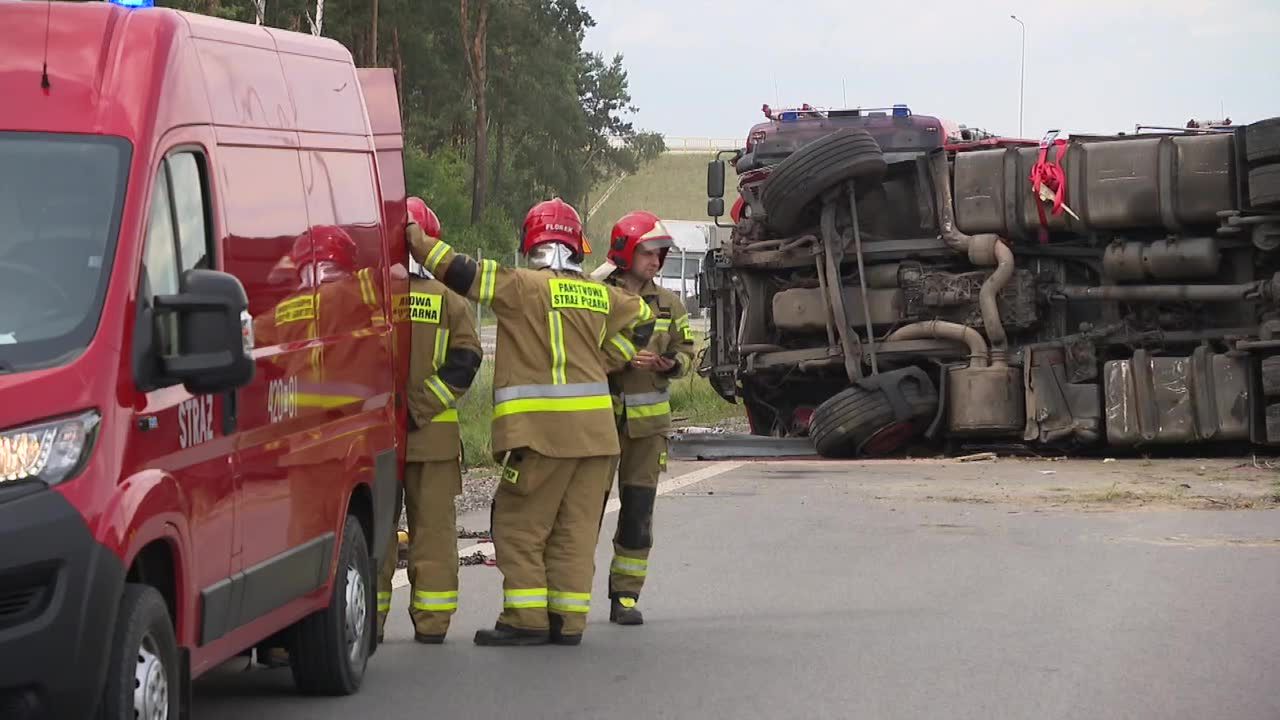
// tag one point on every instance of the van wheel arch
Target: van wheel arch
(156, 565)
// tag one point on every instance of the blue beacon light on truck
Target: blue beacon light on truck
(133, 4)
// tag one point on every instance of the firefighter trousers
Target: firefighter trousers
(546, 521)
(641, 462)
(429, 490)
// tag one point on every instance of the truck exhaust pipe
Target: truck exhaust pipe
(943, 330)
(982, 250)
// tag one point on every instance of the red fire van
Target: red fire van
(200, 428)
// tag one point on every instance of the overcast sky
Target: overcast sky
(704, 67)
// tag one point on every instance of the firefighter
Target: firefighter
(444, 357)
(553, 427)
(638, 247)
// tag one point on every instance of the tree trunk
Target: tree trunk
(498, 160)
(475, 42)
(373, 33)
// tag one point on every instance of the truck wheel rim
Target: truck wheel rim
(888, 438)
(150, 683)
(357, 611)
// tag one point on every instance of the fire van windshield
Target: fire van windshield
(61, 198)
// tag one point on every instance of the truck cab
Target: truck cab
(199, 356)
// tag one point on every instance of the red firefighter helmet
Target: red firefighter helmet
(554, 221)
(638, 229)
(424, 216)
(331, 243)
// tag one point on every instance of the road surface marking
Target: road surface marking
(401, 578)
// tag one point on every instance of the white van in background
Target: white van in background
(680, 272)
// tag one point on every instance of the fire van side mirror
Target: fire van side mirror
(212, 321)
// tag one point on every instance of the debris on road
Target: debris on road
(475, 558)
(723, 446)
(977, 457)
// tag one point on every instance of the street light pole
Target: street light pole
(1022, 81)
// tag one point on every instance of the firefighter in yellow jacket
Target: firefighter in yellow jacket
(443, 359)
(638, 248)
(553, 426)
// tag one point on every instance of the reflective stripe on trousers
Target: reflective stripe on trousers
(384, 602)
(635, 567)
(530, 598)
(572, 397)
(569, 601)
(443, 601)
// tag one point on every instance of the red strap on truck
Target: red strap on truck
(1050, 174)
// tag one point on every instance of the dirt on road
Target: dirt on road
(1077, 483)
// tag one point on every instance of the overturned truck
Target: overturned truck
(887, 281)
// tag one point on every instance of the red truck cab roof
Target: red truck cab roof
(900, 132)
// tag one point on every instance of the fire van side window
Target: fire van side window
(187, 177)
(160, 261)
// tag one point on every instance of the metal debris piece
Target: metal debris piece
(721, 446)
(977, 457)
(475, 558)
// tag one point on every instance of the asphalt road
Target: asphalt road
(782, 590)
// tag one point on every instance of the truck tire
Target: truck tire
(143, 676)
(861, 422)
(1262, 140)
(1264, 186)
(331, 646)
(800, 179)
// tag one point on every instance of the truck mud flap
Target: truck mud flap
(890, 383)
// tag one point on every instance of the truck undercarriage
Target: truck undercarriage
(870, 297)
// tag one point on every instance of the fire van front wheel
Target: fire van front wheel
(331, 647)
(143, 677)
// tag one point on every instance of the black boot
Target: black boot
(557, 636)
(623, 611)
(429, 639)
(503, 635)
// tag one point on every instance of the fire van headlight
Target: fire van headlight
(50, 451)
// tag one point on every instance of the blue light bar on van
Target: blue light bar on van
(133, 4)
(901, 111)
(789, 116)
